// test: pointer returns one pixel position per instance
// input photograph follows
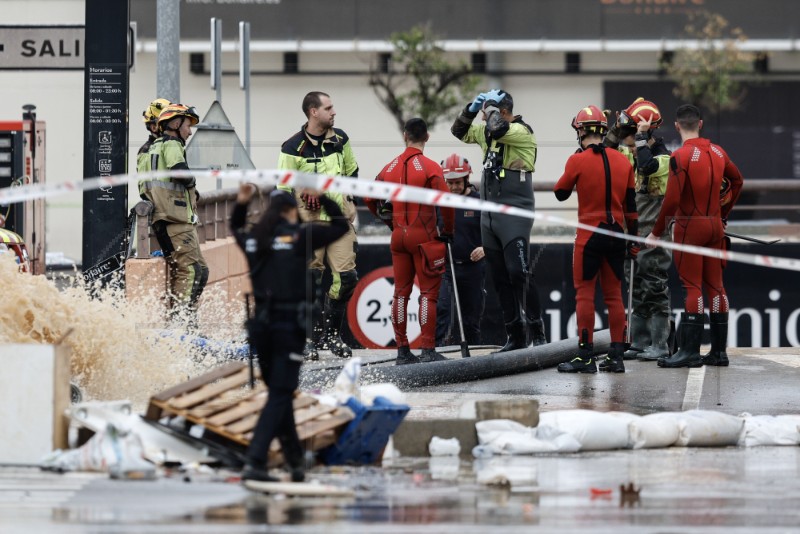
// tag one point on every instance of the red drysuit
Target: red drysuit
(605, 183)
(693, 199)
(412, 225)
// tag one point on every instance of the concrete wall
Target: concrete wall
(228, 273)
(34, 394)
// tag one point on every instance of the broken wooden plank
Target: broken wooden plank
(219, 402)
(153, 414)
(246, 407)
(244, 425)
(254, 403)
(211, 390)
(316, 426)
(226, 400)
(312, 412)
(302, 401)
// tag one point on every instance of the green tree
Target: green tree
(420, 81)
(712, 74)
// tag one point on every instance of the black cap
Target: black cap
(282, 199)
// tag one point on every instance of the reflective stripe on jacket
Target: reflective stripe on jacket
(172, 200)
(333, 156)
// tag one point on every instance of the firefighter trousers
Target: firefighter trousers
(188, 271)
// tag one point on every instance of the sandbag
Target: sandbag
(793, 419)
(769, 430)
(110, 451)
(503, 436)
(705, 428)
(595, 431)
(444, 447)
(655, 430)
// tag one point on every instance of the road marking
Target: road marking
(694, 388)
(789, 360)
(28, 489)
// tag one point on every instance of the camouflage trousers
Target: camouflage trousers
(650, 281)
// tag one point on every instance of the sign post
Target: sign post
(41, 47)
(105, 133)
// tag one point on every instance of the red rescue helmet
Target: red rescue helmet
(456, 167)
(640, 110)
(590, 120)
(725, 192)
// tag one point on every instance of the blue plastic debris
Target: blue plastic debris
(365, 437)
(222, 349)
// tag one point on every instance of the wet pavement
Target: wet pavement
(758, 381)
(730, 489)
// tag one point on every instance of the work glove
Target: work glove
(445, 238)
(495, 95)
(477, 104)
(311, 201)
(385, 211)
(615, 135)
(632, 250)
(618, 132)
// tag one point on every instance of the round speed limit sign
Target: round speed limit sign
(369, 312)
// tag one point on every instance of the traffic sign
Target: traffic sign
(369, 311)
(42, 47)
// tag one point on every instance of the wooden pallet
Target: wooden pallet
(222, 402)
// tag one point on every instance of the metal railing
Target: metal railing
(214, 211)
(214, 208)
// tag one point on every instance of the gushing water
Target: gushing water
(121, 349)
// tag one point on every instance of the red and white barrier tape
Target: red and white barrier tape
(370, 189)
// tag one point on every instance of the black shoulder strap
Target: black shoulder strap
(607, 168)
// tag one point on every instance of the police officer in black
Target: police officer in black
(278, 250)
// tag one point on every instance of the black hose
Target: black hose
(463, 369)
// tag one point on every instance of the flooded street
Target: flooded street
(679, 490)
(676, 489)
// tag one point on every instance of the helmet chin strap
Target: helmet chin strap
(178, 130)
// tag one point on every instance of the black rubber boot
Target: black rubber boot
(310, 352)
(613, 363)
(536, 333)
(516, 336)
(640, 336)
(689, 353)
(295, 460)
(430, 355)
(719, 341)
(405, 356)
(659, 334)
(584, 361)
(313, 345)
(334, 316)
(255, 472)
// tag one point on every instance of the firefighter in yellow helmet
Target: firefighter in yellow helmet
(150, 119)
(174, 206)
